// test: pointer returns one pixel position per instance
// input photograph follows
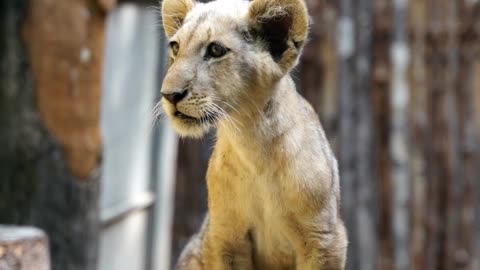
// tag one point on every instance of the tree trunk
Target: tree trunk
(50, 85)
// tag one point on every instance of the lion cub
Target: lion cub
(273, 187)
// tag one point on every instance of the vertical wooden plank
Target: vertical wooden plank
(476, 184)
(437, 173)
(381, 76)
(366, 210)
(468, 35)
(475, 9)
(316, 75)
(419, 132)
(454, 178)
(347, 119)
(464, 234)
(190, 191)
(399, 149)
(328, 110)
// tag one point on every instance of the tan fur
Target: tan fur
(174, 12)
(273, 187)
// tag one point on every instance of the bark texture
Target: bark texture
(49, 103)
(64, 42)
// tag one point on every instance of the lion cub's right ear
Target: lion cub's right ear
(283, 26)
(174, 13)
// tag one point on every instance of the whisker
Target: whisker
(157, 114)
(225, 103)
(228, 119)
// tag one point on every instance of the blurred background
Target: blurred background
(396, 84)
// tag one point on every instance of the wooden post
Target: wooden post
(23, 248)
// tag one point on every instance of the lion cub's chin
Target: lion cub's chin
(189, 128)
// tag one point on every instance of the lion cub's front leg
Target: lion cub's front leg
(227, 249)
(320, 249)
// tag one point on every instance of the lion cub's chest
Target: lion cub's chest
(258, 197)
(266, 214)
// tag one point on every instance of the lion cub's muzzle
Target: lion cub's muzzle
(175, 97)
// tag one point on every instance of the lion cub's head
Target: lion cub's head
(226, 56)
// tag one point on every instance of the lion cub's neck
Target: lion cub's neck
(257, 130)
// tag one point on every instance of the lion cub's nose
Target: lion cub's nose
(175, 97)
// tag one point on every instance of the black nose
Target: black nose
(175, 97)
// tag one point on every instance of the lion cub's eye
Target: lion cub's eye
(174, 46)
(216, 50)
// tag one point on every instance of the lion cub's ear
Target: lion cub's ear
(283, 26)
(173, 14)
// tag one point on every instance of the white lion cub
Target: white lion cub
(273, 187)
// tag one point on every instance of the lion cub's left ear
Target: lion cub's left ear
(174, 13)
(283, 26)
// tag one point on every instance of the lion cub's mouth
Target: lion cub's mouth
(207, 118)
(184, 116)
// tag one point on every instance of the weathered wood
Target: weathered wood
(469, 158)
(23, 248)
(191, 192)
(472, 33)
(436, 189)
(419, 132)
(456, 177)
(316, 75)
(347, 119)
(476, 184)
(381, 76)
(399, 139)
(366, 189)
